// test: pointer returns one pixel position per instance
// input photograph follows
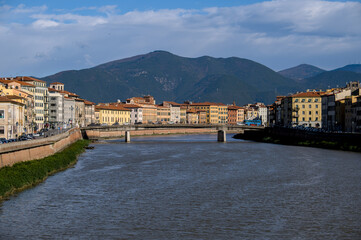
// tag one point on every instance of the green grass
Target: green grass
(27, 174)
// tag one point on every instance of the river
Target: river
(192, 187)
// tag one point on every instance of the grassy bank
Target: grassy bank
(27, 174)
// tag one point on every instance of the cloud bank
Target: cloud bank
(279, 34)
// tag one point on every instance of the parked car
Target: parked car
(23, 138)
(4, 140)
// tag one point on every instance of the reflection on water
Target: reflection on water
(192, 187)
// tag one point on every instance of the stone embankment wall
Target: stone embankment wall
(290, 136)
(98, 134)
(291, 133)
(11, 153)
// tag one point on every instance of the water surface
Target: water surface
(192, 187)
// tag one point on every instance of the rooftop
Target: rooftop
(307, 94)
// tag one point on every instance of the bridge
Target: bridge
(118, 131)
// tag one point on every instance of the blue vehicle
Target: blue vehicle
(253, 122)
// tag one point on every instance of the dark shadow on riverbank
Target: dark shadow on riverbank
(296, 137)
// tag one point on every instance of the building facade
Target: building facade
(11, 118)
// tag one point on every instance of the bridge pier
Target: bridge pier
(127, 136)
(222, 136)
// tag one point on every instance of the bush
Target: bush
(26, 174)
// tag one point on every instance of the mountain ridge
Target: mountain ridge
(167, 76)
(170, 77)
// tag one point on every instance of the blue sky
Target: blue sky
(40, 38)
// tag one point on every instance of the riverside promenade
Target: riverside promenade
(15, 152)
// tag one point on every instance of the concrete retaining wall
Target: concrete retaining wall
(11, 153)
(97, 134)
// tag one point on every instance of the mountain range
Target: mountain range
(170, 77)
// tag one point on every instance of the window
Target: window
(316, 105)
(316, 119)
(303, 106)
(309, 113)
(296, 100)
(309, 119)
(310, 106)
(2, 114)
(316, 112)
(2, 130)
(303, 119)
(316, 100)
(303, 112)
(303, 100)
(309, 100)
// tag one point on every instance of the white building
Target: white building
(136, 113)
(175, 112)
(56, 108)
(69, 112)
(40, 99)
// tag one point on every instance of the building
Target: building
(89, 112)
(15, 89)
(328, 111)
(40, 100)
(141, 100)
(57, 86)
(150, 113)
(183, 114)
(216, 112)
(11, 118)
(358, 114)
(192, 116)
(163, 114)
(175, 111)
(232, 114)
(69, 112)
(350, 113)
(136, 113)
(113, 114)
(79, 112)
(56, 108)
(303, 109)
(202, 117)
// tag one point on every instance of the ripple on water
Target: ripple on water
(194, 188)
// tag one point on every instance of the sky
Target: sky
(40, 38)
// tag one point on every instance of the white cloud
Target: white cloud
(41, 23)
(279, 34)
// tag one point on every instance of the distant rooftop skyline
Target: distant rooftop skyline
(40, 38)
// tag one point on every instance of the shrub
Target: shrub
(26, 174)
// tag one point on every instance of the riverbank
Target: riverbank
(24, 175)
(284, 136)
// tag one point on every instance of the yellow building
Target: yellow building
(112, 114)
(192, 116)
(305, 109)
(216, 112)
(183, 114)
(24, 93)
(11, 118)
(163, 114)
(149, 113)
